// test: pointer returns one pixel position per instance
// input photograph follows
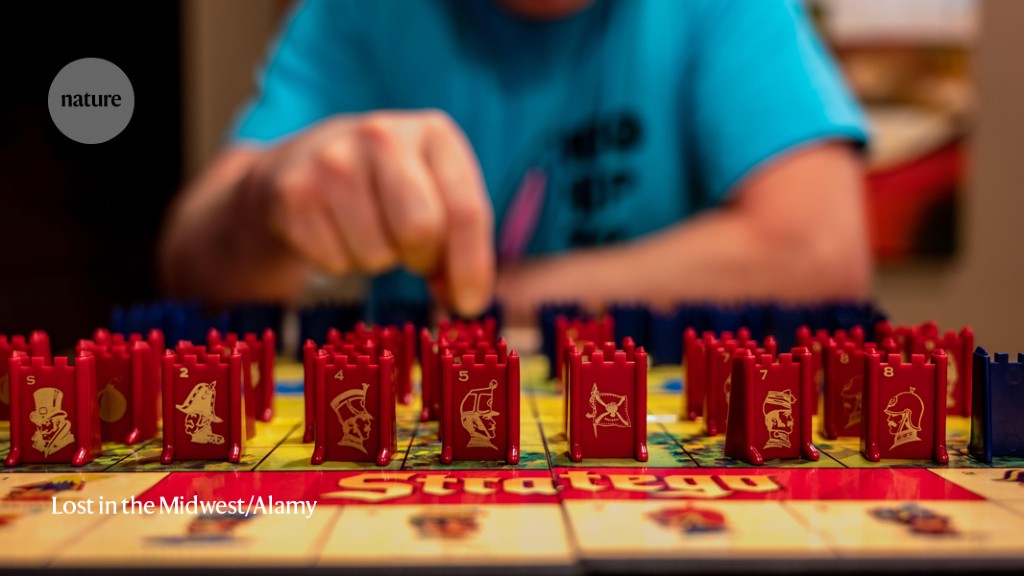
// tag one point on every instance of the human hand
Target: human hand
(366, 193)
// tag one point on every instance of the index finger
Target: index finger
(468, 261)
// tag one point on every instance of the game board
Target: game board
(689, 508)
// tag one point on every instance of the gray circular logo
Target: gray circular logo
(91, 100)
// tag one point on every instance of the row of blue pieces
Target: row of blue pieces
(661, 333)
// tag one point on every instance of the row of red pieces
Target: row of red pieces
(112, 392)
(769, 402)
(904, 409)
(472, 373)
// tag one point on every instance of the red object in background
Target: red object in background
(903, 198)
(54, 414)
(608, 406)
(959, 348)
(904, 408)
(770, 415)
(355, 409)
(481, 406)
(204, 418)
(37, 344)
(399, 340)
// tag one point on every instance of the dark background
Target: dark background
(79, 222)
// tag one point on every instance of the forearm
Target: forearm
(216, 242)
(795, 233)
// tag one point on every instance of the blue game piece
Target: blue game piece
(784, 322)
(666, 341)
(633, 320)
(997, 403)
(316, 320)
(754, 317)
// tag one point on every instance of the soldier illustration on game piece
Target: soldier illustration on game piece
(616, 409)
(853, 399)
(356, 422)
(53, 429)
(200, 416)
(903, 415)
(477, 415)
(778, 417)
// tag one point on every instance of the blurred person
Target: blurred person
(535, 150)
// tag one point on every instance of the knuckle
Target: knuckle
(417, 231)
(378, 129)
(337, 160)
(293, 188)
(438, 120)
(464, 213)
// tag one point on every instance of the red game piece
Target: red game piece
(769, 416)
(842, 413)
(355, 412)
(695, 353)
(586, 351)
(128, 385)
(817, 342)
(451, 334)
(400, 341)
(262, 349)
(904, 408)
(37, 344)
(54, 413)
(483, 391)
(309, 351)
(469, 330)
(204, 418)
(608, 406)
(719, 379)
(959, 349)
(579, 331)
(247, 367)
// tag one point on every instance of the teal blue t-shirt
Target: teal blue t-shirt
(638, 113)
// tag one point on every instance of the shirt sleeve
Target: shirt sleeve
(316, 68)
(762, 84)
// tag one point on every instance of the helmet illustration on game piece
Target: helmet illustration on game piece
(477, 415)
(904, 413)
(200, 417)
(952, 376)
(853, 394)
(778, 417)
(356, 422)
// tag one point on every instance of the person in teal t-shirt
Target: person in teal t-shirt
(585, 150)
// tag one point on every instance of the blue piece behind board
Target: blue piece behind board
(633, 320)
(997, 403)
(315, 321)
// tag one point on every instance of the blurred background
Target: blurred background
(941, 80)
